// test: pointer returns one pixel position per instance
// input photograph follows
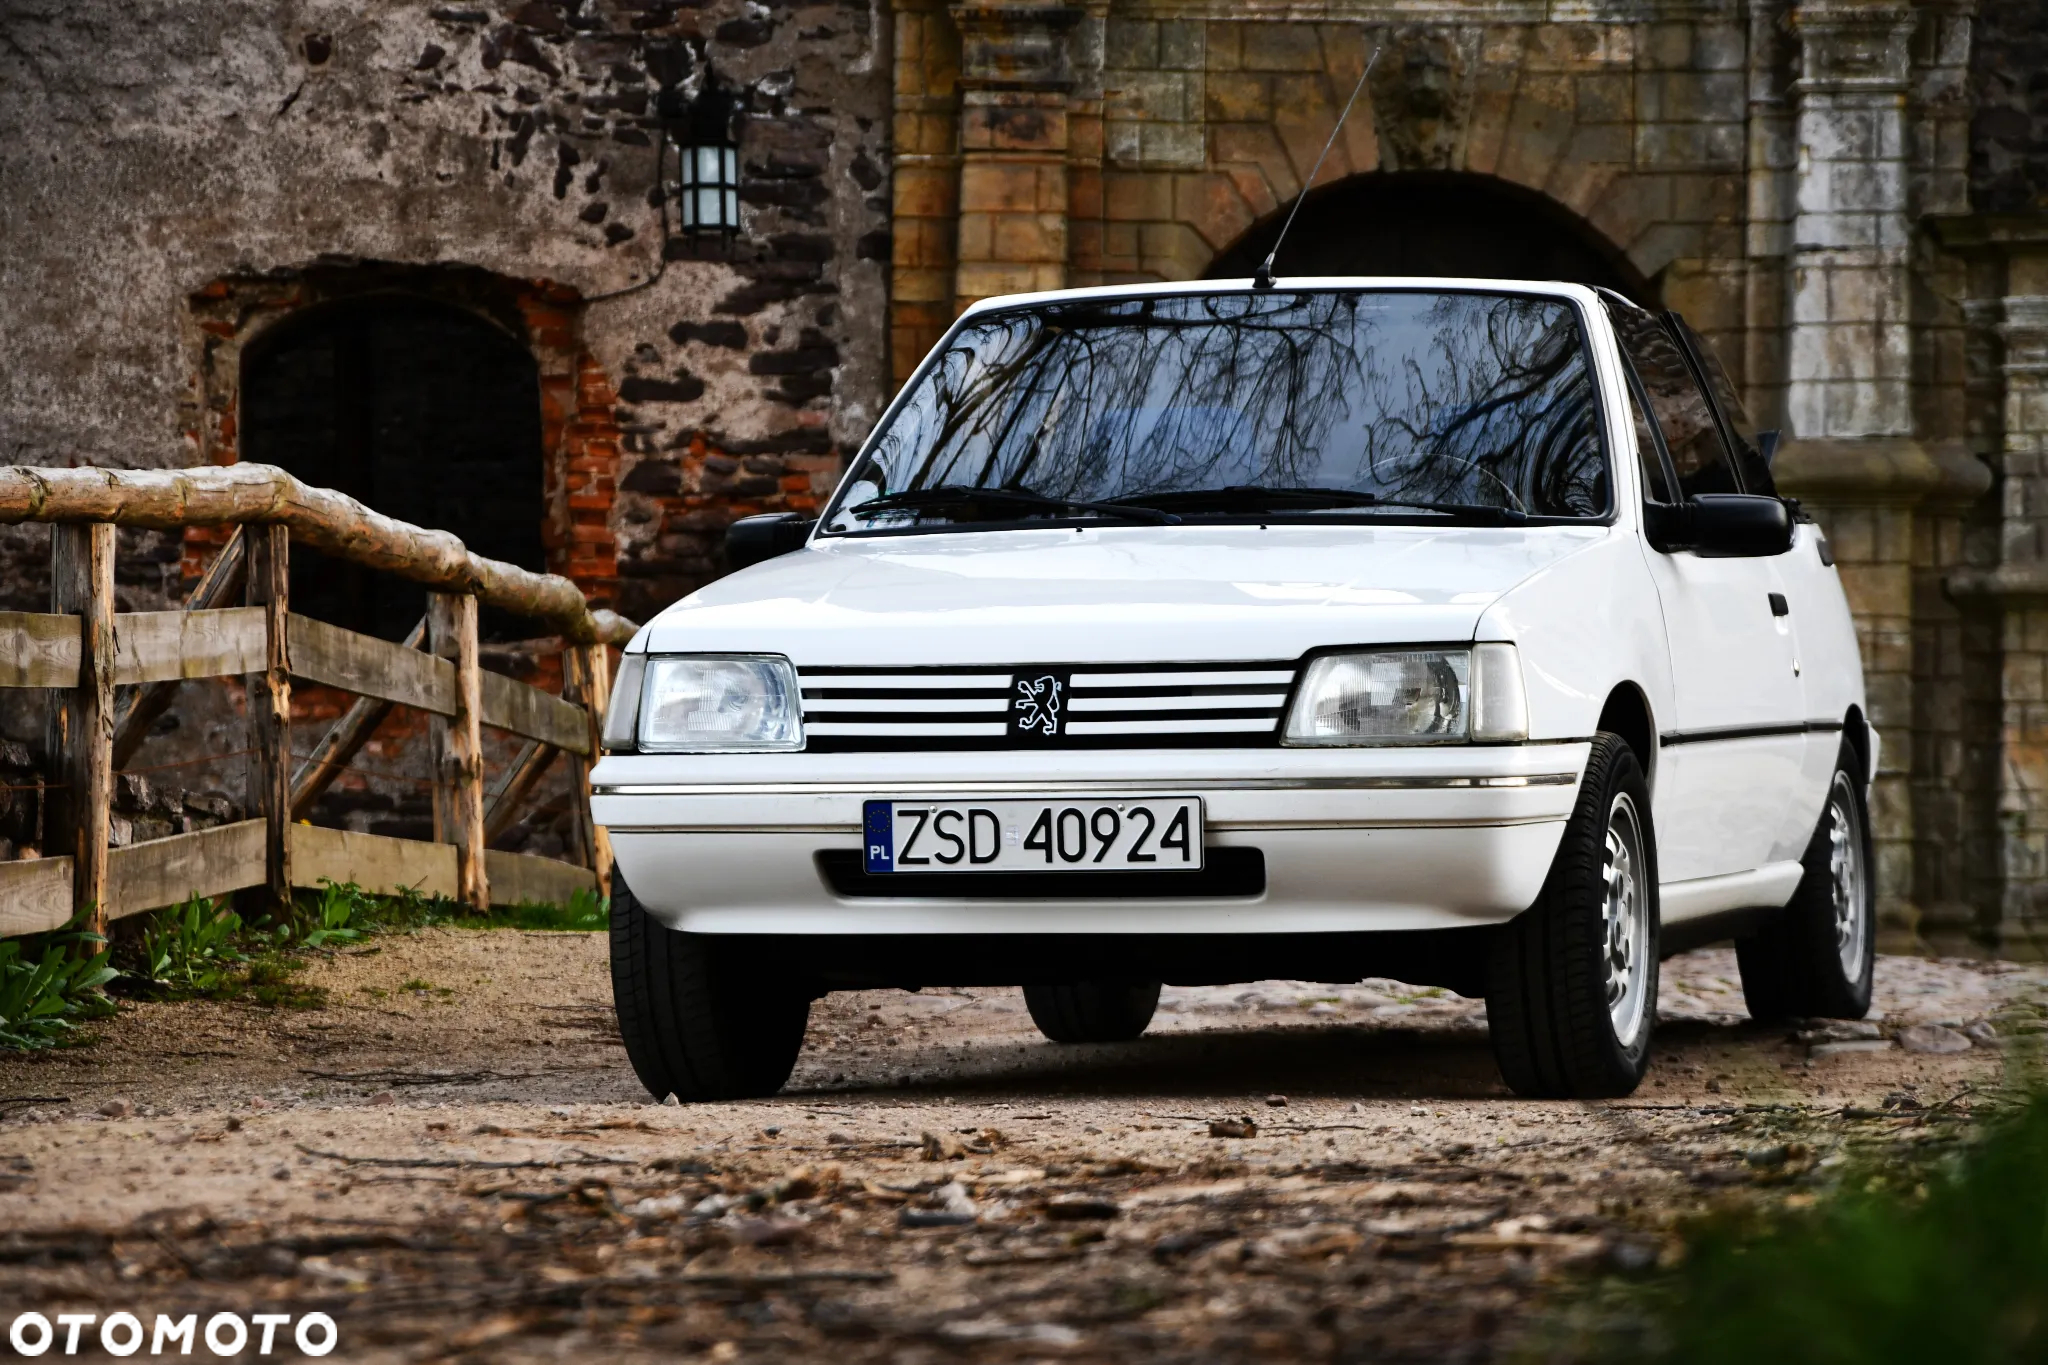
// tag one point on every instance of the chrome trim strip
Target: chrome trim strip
(1057, 786)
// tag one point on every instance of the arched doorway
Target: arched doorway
(1435, 223)
(423, 411)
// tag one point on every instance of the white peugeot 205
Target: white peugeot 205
(1444, 630)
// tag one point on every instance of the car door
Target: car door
(1810, 601)
(1733, 750)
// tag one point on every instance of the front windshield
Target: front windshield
(1280, 405)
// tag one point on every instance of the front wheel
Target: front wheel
(699, 1021)
(1571, 995)
(1813, 959)
(1093, 1011)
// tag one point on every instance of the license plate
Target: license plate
(1150, 834)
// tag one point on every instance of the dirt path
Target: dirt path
(453, 1158)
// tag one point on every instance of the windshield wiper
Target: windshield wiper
(1262, 497)
(950, 495)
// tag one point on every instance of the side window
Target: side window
(1649, 459)
(1680, 406)
(1756, 475)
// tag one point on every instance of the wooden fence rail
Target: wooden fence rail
(82, 649)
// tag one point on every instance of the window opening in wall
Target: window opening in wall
(419, 410)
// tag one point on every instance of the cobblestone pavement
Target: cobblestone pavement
(452, 1159)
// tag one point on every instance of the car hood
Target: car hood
(1114, 594)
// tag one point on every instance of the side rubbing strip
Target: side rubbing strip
(1673, 737)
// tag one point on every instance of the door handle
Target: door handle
(1779, 606)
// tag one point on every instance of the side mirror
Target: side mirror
(753, 539)
(1722, 524)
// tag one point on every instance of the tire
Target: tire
(1814, 959)
(699, 1024)
(1093, 1011)
(1571, 994)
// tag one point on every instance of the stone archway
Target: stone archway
(1435, 223)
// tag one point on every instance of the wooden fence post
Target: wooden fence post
(586, 679)
(459, 744)
(268, 794)
(82, 725)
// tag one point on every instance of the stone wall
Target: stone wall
(197, 174)
(199, 171)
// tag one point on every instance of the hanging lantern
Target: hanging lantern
(706, 189)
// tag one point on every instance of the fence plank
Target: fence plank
(221, 583)
(533, 714)
(82, 723)
(161, 646)
(375, 862)
(343, 741)
(459, 745)
(270, 707)
(523, 878)
(370, 667)
(38, 649)
(206, 862)
(35, 895)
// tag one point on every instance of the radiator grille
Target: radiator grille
(1070, 706)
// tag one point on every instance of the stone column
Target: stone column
(1015, 75)
(1849, 400)
(2018, 589)
(925, 189)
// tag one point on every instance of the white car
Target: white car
(1446, 630)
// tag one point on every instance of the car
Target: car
(1448, 630)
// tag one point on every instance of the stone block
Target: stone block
(1172, 251)
(1172, 144)
(1667, 46)
(1540, 127)
(1209, 203)
(1706, 198)
(976, 236)
(987, 279)
(1282, 47)
(1238, 97)
(924, 191)
(998, 187)
(1222, 45)
(1026, 237)
(1182, 43)
(1120, 142)
(1608, 97)
(1137, 196)
(1130, 45)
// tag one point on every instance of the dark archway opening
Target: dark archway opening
(423, 411)
(1436, 223)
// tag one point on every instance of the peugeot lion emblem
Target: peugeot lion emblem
(1036, 710)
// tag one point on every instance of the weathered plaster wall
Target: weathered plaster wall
(185, 148)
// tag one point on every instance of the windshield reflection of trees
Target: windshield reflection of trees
(1467, 398)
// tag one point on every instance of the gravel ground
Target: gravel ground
(452, 1159)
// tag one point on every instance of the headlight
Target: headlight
(1411, 696)
(718, 705)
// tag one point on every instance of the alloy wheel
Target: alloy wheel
(1626, 914)
(1846, 877)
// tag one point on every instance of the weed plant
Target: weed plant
(1947, 1263)
(48, 983)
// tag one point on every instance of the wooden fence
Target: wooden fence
(84, 649)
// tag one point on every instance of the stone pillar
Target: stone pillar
(925, 189)
(1849, 400)
(1015, 75)
(2021, 587)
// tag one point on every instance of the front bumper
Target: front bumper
(1353, 839)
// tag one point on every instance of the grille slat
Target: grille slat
(1131, 706)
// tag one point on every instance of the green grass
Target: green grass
(202, 949)
(1943, 1263)
(48, 984)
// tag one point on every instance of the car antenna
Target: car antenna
(1262, 278)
